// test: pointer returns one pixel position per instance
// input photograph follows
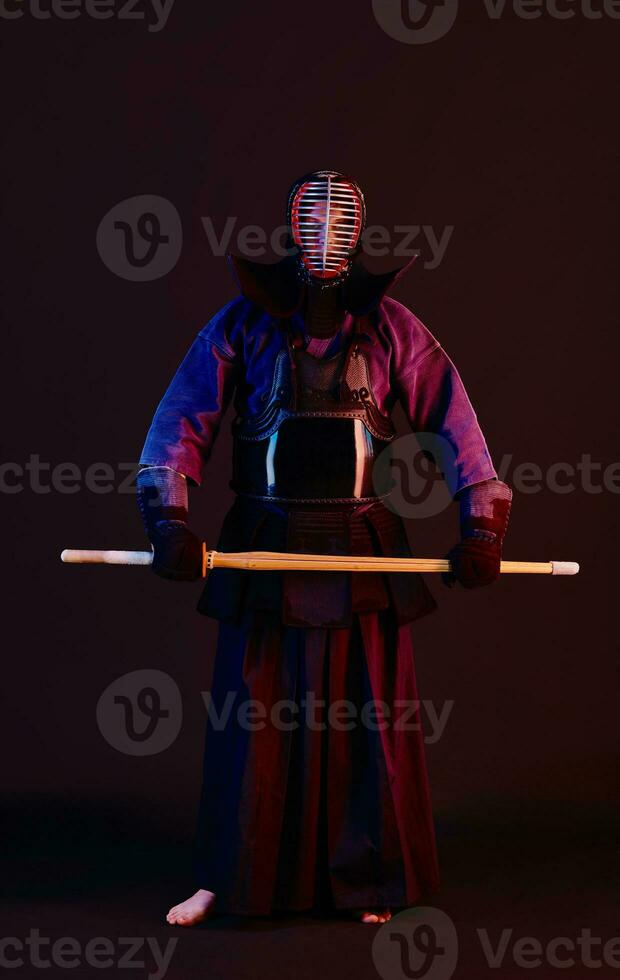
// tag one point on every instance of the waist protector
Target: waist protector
(308, 458)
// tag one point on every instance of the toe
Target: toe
(375, 918)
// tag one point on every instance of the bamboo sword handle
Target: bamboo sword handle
(96, 557)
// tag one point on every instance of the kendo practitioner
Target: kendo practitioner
(303, 809)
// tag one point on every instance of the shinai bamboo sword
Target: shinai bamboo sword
(259, 561)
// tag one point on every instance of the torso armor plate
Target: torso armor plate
(319, 435)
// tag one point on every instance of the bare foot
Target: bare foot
(196, 909)
(375, 918)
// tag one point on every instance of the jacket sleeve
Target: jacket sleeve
(435, 401)
(187, 419)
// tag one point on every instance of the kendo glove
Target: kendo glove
(484, 514)
(162, 499)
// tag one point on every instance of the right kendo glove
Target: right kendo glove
(484, 513)
(162, 499)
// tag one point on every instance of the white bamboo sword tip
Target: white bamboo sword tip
(565, 568)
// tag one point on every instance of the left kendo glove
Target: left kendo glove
(162, 499)
(484, 513)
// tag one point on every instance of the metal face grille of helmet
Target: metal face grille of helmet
(326, 215)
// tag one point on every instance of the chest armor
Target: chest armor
(318, 436)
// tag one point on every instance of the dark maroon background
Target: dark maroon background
(505, 130)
